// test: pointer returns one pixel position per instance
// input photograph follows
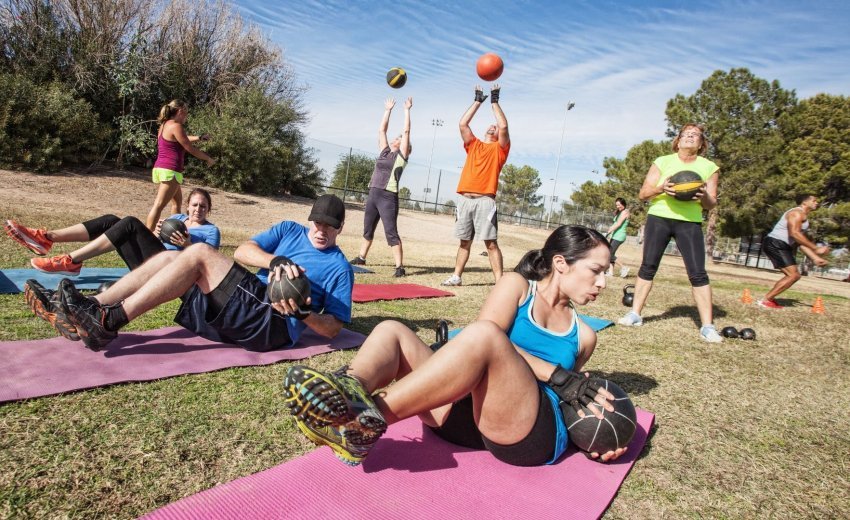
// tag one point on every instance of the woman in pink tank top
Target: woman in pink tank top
(172, 144)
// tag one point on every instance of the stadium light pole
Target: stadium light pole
(569, 107)
(435, 123)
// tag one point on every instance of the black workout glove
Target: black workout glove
(573, 388)
(442, 335)
(494, 95)
(479, 95)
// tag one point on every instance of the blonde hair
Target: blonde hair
(703, 141)
(170, 110)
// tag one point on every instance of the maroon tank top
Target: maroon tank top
(169, 154)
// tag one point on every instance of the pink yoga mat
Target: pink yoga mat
(41, 367)
(413, 474)
(394, 291)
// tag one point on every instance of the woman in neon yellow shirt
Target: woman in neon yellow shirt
(671, 218)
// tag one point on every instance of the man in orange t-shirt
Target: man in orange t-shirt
(479, 180)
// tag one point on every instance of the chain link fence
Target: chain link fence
(432, 190)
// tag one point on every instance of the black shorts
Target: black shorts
(237, 311)
(535, 449)
(780, 253)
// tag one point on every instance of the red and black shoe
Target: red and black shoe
(87, 315)
(45, 305)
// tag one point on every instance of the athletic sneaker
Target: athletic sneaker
(769, 304)
(334, 410)
(87, 316)
(357, 260)
(624, 272)
(33, 239)
(709, 333)
(45, 305)
(399, 272)
(57, 264)
(632, 319)
(452, 281)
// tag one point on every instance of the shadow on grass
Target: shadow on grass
(647, 447)
(632, 383)
(685, 311)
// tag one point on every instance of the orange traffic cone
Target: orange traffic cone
(818, 307)
(747, 297)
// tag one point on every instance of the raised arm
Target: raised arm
(385, 123)
(501, 120)
(404, 147)
(466, 132)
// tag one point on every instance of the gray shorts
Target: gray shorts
(477, 218)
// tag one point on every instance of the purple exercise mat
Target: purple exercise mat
(35, 368)
(413, 474)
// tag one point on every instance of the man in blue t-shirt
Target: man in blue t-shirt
(223, 301)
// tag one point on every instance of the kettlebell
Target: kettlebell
(628, 295)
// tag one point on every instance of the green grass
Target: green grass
(744, 429)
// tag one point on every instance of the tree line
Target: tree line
(82, 81)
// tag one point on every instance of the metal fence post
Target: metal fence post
(347, 169)
(437, 195)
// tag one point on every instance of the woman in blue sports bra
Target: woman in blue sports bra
(496, 385)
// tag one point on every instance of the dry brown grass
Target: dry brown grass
(745, 429)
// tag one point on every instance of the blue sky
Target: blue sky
(619, 62)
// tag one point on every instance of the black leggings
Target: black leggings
(133, 241)
(689, 240)
(615, 245)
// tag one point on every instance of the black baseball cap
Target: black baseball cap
(328, 209)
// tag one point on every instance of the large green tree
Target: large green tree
(269, 157)
(353, 172)
(127, 58)
(518, 187)
(817, 160)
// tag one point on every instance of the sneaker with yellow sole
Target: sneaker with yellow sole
(334, 410)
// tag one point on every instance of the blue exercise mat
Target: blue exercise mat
(12, 280)
(596, 324)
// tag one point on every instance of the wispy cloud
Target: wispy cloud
(618, 62)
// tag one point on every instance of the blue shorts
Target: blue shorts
(237, 311)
